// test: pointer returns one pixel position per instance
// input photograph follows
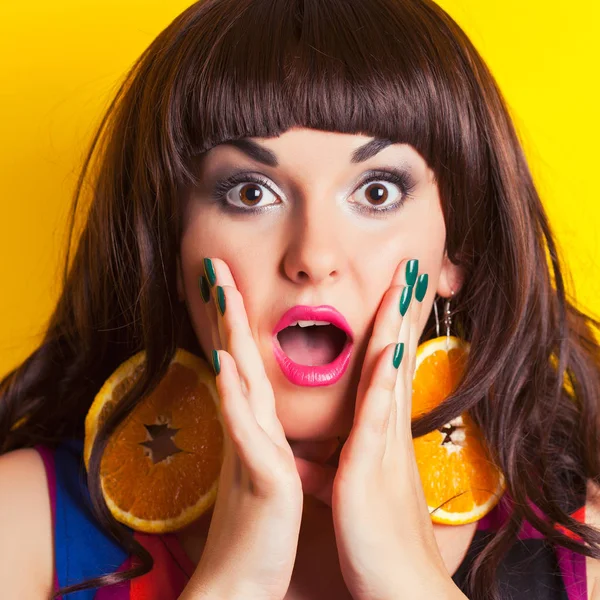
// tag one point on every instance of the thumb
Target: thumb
(317, 479)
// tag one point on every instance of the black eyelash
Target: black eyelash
(403, 179)
(399, 177)
(223, 186)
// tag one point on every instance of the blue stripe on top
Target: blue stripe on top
(83, 549)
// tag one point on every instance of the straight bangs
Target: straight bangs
(256, 68)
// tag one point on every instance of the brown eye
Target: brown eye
(376, 193)
(250, 194)
(381, 193)
(245, 193)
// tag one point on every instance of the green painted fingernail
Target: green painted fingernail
(216, 362)
(412, 268)
(398, 354)
(405, 299)
(210, 271)
(221, 299)
(204, 288)
(421, 287)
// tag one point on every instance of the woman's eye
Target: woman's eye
(385, 191)
(379, 193)
(248, 195)
(244, 193)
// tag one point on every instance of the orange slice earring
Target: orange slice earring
(160, 468)
(460, 481)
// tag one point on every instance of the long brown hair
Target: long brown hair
(398, 69)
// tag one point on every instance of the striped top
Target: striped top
(531, 570)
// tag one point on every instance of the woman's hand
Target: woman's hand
(384, 535)
(253, 536)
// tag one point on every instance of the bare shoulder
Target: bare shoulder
(592, 517)
(26, 535)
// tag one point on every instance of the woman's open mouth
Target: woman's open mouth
(313, 345)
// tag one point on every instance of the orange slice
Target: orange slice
(160, 468)
(460, 482)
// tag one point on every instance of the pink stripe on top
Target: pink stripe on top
(48, 460)
(572, 565)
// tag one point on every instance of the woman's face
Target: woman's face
(318, 240)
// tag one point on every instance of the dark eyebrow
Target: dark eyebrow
(261, 154)
(254, 151)
(370, 149)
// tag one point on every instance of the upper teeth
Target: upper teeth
(309, 323)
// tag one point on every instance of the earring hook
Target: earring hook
(447, 319)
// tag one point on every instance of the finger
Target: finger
(209, 307)
(389, 322)
(387, 326)
(218, 274)
(253, 445)
(398, 417)
(373, 419)
(385, 331)
(234, 315)
(238, 340)
(400, 422)
(398, 392)
(420, 292)
(403, 337)
(415, 331)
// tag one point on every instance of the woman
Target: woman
(306, 153)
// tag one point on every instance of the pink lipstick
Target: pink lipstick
(317, 333)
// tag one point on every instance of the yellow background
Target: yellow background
(61, 60)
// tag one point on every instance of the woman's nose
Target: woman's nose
(315, 250)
